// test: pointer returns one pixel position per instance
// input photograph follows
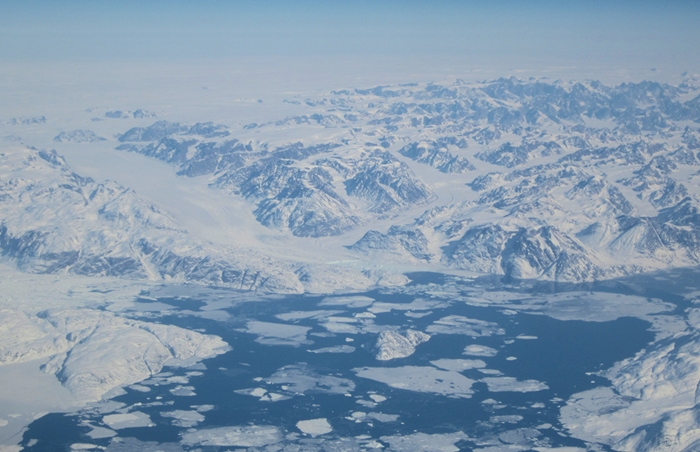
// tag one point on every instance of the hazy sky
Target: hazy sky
(296, 45)
(591, 30)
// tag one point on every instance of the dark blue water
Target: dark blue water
(563, 356)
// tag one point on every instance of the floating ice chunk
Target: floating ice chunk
(85, 446)
(510, 384)
(140, 388)
(336, 349)
(526, 337)
(243, 436)
(458, 365)
(273, 397)
(361, 416)
(479, 350)
(315, 427)
(457, 324)
(202, 408)
(351, 301)
(417, 315)
(299, 380)
(127, 420)
(511, 358)
(100, 432)
(258, 392)
(490, 371)
(262, 394)
(392, 345)
(420, 379)
(415, 305)
(300, 315)
(277, 333)
(183, 391)
(522, 436)
(377, 398)
(506, 419)
(341, 325)
(183, 418)
(423, 442)
(365, 315)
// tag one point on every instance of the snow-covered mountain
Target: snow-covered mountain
(523, 178)
(56, 221)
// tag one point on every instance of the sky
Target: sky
(536, 30)
(294, 45)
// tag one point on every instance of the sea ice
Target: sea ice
(456, 324)
(315, 427)
(510, 384)
(415, 305)
(278, 333)
(361, 416)
(480, 350)
(298, 379)
(184, 418)
(183, 391)
(335, 349)
(100, 432)
(244, 436)
(300, 315)
(423, 442)
(458, 365)
(420, 379)
(349, 301)
(127, 420)
(85, 446)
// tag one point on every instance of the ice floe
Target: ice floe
(420, 379)
(98, 432)
(423, 442)
(334, 349)
(479, 350)
(315, 427)
(300, 315)
(278, 333)
(361, 416)
(127, 420)
(349, 301)
(415, 305)
(510, 384)
(458, 365)
(184, 418)
(296, 380)
(243, 436)
(457, 324)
